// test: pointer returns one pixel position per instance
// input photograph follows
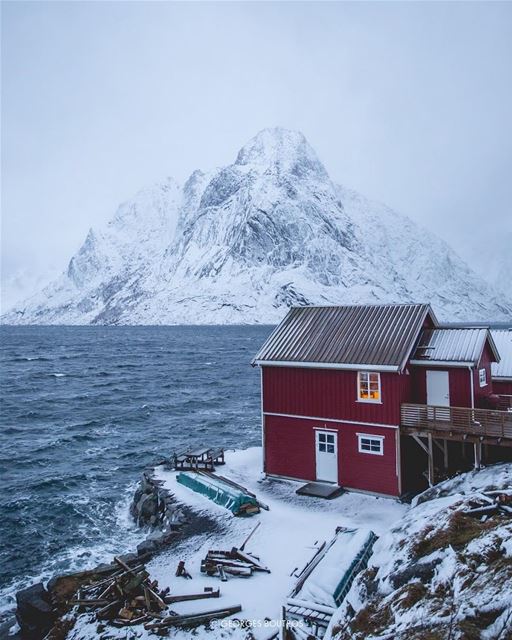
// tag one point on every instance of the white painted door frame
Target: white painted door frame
(438, 392)
(326, 453)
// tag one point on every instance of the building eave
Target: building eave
(441, 363)
(327, 365)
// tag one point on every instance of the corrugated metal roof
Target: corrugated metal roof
(451, 345)
(377, 335)
(503, 341)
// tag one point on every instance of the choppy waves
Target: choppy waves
(84, 409)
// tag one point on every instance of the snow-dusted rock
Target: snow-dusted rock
(242, 243)
(437, 572)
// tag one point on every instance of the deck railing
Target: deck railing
(461, 420)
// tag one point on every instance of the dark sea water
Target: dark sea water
(84, 409)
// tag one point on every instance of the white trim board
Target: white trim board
(355, 422)
(327, 365)
(441, 363)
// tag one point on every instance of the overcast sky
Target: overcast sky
(410, 103)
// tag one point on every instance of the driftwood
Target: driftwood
(192, 596)
(181, 571)
(193, 620)
(490, 503)
(242, 547)
(127, 597)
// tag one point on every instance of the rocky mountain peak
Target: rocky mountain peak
(282, 149)
(240, 243)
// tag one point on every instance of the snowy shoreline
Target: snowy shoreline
(425, 549)
(287, 538)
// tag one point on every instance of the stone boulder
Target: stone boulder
(34, 611)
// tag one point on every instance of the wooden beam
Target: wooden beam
(422, 445)
(445, 454)
(439, 446)
(431, 478)
(478, 454)
(423, 433)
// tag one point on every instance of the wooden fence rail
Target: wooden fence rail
(463, 420)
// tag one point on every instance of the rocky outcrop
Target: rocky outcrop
(35, 612)
(155, 507)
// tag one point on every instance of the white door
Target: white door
(438, 393)
(327, 456)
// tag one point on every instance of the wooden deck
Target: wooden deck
(486, 426)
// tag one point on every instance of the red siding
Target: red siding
(503, 388)
(485, 363)
(290, 451)
(460, 389)
(331, 393)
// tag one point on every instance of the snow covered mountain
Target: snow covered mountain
(242, 243)
(491, 257)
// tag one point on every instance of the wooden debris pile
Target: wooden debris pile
(236, 562)
(126, 597)
(490, 503)
(129, 597)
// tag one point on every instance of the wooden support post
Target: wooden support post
(478, 454)
(463, 450)
(430, 460)
(445, 454)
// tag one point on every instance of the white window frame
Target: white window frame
(370, 400)
(374, 438)
(482, 377)
(327, 443)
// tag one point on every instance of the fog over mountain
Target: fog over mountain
(241, 243)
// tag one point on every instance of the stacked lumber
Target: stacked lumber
(126, 597)
(490, 503)
(129, 597)
(235, 563)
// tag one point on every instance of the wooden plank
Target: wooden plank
(194, 619)
(192, 596)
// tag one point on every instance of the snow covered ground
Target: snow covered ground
(285, 541)
(437, 574)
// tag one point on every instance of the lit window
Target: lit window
(368, 385)
(370, 444)
(482, 374)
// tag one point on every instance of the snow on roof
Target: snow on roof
(503, 340)
(321, 585)
(380, 336)
(461, 345)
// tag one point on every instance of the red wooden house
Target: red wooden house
(368, 397)
(501, 372)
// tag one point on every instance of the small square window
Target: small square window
(370, 444)
(321, 447)
(368, 386)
